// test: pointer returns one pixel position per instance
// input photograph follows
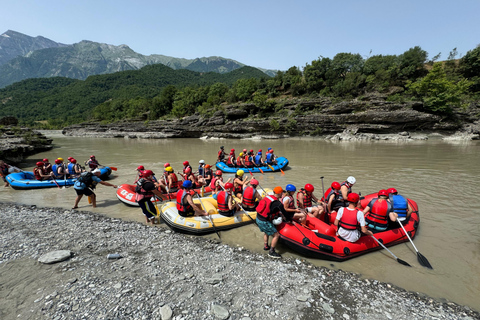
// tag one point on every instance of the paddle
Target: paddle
(271, 168)
(282, 172)
(240, 205)
(398, 260)
(53, 178)
(210, 218)
(113, 168)
(64, 177)
(260, 170)
(421, 259)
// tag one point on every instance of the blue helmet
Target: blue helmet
(290, 187)
(187, 184)
(269, 149)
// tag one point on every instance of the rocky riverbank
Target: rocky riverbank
(371, 118)
(18, 142)
(166, 275)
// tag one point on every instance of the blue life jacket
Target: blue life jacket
(200, 171)
(55, 170)
(400, 205)
(258, 158)
(71, 168)
(269, 158)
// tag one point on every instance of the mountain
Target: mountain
(86, 58)
(13, 44)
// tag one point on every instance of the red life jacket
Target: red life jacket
(238, 188)
(249, 196)
(221, 154)
(222, 198)
(248, 162)
(239, 161)
(307, 199)
(231, 160)
(349, 219)
(93, 164)
(212, 183)
(38, 172)
(174, 180)
(379, 213)
(180, 205)
(291, 205)
(263, 208)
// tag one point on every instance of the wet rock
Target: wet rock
(55, 256)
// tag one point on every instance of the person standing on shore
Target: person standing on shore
(85, 184)
(145, 189)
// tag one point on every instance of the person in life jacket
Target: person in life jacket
(47, 167)
(349, 219)
(259, 159)
(39, 172)
(92, 163)
(145, 189)
(186, 165)
(289, 204)
(73, 169)
(270, 158)
(250, 195)
(185, 205)
(346, 189)
(170, 179)
(208, 174)
(240, 161)
(239, 183)
(248, 160)
(189, 176)
(231, 159)
(400, 205)
(271, 212)
(333, 197)
(221, 154)
(217, 183)
(58, 169)
(201, 173)
(5, 170)
(379, 211)
(84, 184)
(305, 197)
(226, 205)
(140, 170)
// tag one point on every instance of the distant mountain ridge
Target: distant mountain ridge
(23, 57)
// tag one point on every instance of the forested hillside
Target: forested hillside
(158, 91)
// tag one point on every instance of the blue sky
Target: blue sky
(263, 33)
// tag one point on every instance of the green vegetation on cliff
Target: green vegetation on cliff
(157, 91)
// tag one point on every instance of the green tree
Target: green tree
(470, 68)
(411, 64)
(315, 74)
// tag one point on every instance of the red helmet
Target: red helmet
(254, 182)
(218, 173)
(188, 171)
(92, 157)
(271, 151)
(353, 197)
(140, 168)
(309, 187)
(70, 158)
(383, 192)
(40, 163)
(392, 190)
(244, 150)
(147, 173)
(228, 185)
(233, 150)
(58, 161)
(259, 150)
(45, 160)
(336, 185)
(73, 161)
(251, 150)
(186, 163)
(166, 165)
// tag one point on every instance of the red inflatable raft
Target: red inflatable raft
(319, 240)
(126, 194)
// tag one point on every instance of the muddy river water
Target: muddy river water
(443, 177)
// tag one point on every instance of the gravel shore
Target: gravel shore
(166, 275)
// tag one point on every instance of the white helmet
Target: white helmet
(277, 221)
(351, 180)
(201, 161)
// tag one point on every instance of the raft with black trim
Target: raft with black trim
(319, 239)
(126, 194)
(26, 180)
(282, 162)
(203, 225)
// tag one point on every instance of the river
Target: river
(441, 176)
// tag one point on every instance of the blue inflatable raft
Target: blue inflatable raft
(282, 162)
(26, 180)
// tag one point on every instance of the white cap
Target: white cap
(96, 170)
(201, 161)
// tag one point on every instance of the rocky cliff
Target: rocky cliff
(356, 119)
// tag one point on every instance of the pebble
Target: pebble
(166, 312)
(220, 312)
(55, 256)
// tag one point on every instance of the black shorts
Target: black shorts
(85, 191)
(230, 213)
(186, 214)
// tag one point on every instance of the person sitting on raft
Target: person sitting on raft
(249, 160)
(400, 205)
(73, 169)
(289, 204)
(250, 196)
(270, 158)
(146, 188)
(189, 176)
(378, 212)
(217, 183)
(47, 167)
(140, 170)
(92, 163)
(240, 161)
(208, 174)
(231, 158)
(238, 183)
(304, 201)
(345, 190)
(185, 205)
(226, 206)
(221, 154)
(186, 165)
(58, 169)
(171, 180)
(39, 172)
(259, 159)
(349, 219)
(201, 173)
(333, 197)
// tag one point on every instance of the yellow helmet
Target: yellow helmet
(169, 169)
(241, 154)
(61, 159)
(240, 173)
